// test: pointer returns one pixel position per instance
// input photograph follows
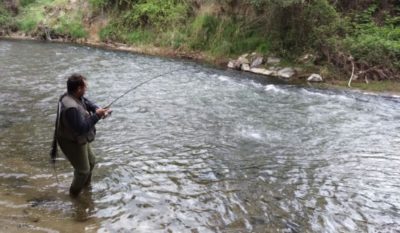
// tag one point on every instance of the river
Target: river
(196, 150)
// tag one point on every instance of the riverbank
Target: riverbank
(217, 33)
(385, 87)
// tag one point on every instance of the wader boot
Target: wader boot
(83, 161)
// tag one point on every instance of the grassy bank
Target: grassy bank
(341, 36)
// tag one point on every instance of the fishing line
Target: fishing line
(137, 86)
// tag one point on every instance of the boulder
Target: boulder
(243, 59)
(231, 64)
(315, 78)
(234, 64)
(245, 67)
(258, 60)
(286, 72)
(262, 71)
(237, 64)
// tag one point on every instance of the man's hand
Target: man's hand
(103, 112)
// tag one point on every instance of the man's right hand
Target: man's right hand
(102, 112)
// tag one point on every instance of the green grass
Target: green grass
(222, 36)
(34, 13)
(139, 37)
(372, 86)
(71, 26)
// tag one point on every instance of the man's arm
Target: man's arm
(91, 107)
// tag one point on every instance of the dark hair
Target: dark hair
(74, 81)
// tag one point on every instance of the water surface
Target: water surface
(197, 150)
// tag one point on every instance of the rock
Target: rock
(243, 60)
(231, 64)
(244, 55)
(257, 61)
(273, 60)
(245, 67)
(315, 78)
(234, 64)
(262, 71)
(286, 72)
(237, 64)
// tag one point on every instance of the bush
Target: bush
(71, 27)
(372, 43)
(375, 45)
(156, 13)
(139, 37)
(30, 21)
(25, 3)
(5, 17)
(225, 36)
(202, 30)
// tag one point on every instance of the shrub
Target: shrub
(71, 27)
(139, 37)
(5, 17)
(30, 20)
(25, 3)
(156, 13)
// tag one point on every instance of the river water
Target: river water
(196, 150)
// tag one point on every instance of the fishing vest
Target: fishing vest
(64, 130)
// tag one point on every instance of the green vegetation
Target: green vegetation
(5, 17)
(373, 43)
(339, 33)
(72, 27)
(51, 14)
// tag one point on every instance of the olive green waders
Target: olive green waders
(82, 159)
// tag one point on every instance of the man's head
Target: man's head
(76, 85)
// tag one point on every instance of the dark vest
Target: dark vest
(64, 130)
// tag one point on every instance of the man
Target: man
(75, 131)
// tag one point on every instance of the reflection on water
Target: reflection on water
(198, 150)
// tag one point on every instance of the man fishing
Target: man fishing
(75, 130)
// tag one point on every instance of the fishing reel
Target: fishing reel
(108, 113)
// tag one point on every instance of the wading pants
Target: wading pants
(83, 160)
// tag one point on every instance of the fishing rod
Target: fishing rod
(137, 86)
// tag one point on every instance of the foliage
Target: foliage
(30, 20)
(367, 29)
(25, 3)
(117, 4)
(155, 13)
(139, 37)
(32, 14)
(5, 17)
(369, 42)
(71, 26)
(109, 32)
(225, 36)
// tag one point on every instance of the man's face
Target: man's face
(82, 90)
